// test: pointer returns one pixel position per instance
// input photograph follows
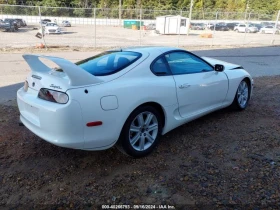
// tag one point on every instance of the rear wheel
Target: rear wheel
(242, 96)
(141, 132)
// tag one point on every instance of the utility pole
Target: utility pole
(275, 27)
(120, 12)
(190, 17)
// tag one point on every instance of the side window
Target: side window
(185, 63)
(160, 68)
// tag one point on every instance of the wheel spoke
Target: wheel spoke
(150, 138)
(134, 128)
(242, 100)
(148, 119)
(245, 93)
(140, 119)
(153, 127)
(239, 99)
(142, 142)
(135, 139)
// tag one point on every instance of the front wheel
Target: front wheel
(242, 96)
(141, 132)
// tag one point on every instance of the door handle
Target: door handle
(184, 86)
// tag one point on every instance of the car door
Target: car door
(199, 88)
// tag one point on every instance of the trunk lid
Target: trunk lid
(43, 76)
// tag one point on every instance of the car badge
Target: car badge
(36, 77)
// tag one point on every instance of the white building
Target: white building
(171, 24)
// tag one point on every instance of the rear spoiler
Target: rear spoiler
(77, 75)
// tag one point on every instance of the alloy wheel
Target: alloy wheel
(242, 94)
(143, 131)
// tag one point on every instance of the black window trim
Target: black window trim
(168, 67)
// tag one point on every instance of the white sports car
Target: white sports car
(52, 28)
(128, 97)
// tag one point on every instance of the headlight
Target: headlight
(53, 96)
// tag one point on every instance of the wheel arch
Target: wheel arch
(156, 106)
(152, 104)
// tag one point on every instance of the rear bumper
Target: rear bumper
(59, 124)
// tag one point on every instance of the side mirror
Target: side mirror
(219, 67)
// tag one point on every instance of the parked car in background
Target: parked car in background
(246, 28)
(45, 21)
(52, 28)
(151, 26)
(208, 25)
(9, 25)
(259, 26)
(21, 22)
(231, 25)
(219, 27)
(197, 26)
(266, 23)
(66, 23)
(1, 24)
(13, 20)
(269, 30)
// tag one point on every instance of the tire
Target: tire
(242, 96)
(135, 139)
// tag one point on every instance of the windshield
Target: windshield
(109, 62)
(51, 24)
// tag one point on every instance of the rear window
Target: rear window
(109, 62)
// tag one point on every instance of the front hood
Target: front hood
(228, 66)
(52, 28)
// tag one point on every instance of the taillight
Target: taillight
(53, 96)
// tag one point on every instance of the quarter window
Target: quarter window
(185, 63)
(160, 68)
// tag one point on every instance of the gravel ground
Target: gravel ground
(225, 160)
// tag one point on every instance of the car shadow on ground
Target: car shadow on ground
(8, 93)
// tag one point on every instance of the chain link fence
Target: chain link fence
(106, 27)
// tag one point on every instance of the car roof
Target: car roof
(150, 49)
